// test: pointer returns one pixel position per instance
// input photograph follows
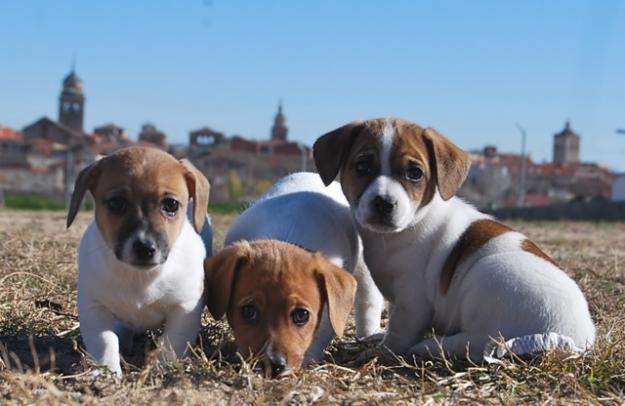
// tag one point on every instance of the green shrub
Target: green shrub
(39, 203)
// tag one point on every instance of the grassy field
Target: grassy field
(41, 360)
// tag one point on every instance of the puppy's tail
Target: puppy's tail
(530, 345)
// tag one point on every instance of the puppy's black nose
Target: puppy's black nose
(278, 364)
(383, 205)
(144, 250)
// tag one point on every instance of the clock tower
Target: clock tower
(72, 102)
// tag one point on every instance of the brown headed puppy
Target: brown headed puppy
(275, 295)
(141, 260)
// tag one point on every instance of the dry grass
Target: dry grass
(41, 361)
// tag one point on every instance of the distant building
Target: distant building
(152, 135)
(566, 146)
(494, 177)
(111, 133)
(254, 164)
(618, 189)
(13, 150)
(49, 154)
(205, 138)
(108, 138)
(53, 131)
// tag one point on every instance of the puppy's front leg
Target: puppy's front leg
(368, 305)
(181, 328)
(407, 325)
(101, 342)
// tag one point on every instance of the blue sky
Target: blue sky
(472, 69)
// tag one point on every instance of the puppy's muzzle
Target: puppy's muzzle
(144, 250)
(276, 365)
(384, 206)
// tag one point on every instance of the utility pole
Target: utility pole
(522, 177)
(69, 175)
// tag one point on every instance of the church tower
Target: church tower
(279, 130)
(72, 102)
(566, 146)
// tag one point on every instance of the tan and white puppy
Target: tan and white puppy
(296, 217)
(442, 264)
(141, 261)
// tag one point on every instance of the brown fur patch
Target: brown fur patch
(532, 248)
(409, 148)
(366, 144)
(473, 238)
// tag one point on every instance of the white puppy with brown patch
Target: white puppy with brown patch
(141, 261)
(441, 263)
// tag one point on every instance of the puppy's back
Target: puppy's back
(299, 209)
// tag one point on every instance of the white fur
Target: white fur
(388, 133)
(500, 290)
(299, 209)
(115, 299)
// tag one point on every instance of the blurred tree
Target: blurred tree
(262, 185)
(235, 187)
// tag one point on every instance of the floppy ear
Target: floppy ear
(220, 275)
(86, 179)
(451, 164)
(339, 289)
(199, 189)
(331, 149)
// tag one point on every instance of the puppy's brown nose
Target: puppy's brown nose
(383, 205)
(144, 250)
(278, 364)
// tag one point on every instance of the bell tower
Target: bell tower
(72, 102)
(279, 130)
(566, 146)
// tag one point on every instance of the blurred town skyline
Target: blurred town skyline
(473, 71)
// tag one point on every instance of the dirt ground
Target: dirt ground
(41, 360)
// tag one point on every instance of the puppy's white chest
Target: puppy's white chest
(140, 299)
(388, 268)
(143, 307)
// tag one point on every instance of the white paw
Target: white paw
(104, 371)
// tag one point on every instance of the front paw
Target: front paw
(373, 339)
(380, 353)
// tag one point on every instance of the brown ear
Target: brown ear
(339, 289)
(199, 189)
(451, 164)
(86, 179)
(220, 275)
(331, 149)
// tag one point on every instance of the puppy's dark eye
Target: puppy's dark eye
(364, 166)
(249, 313)
(117, 205)
(414, 173)
(170, 206)
(300, 316)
